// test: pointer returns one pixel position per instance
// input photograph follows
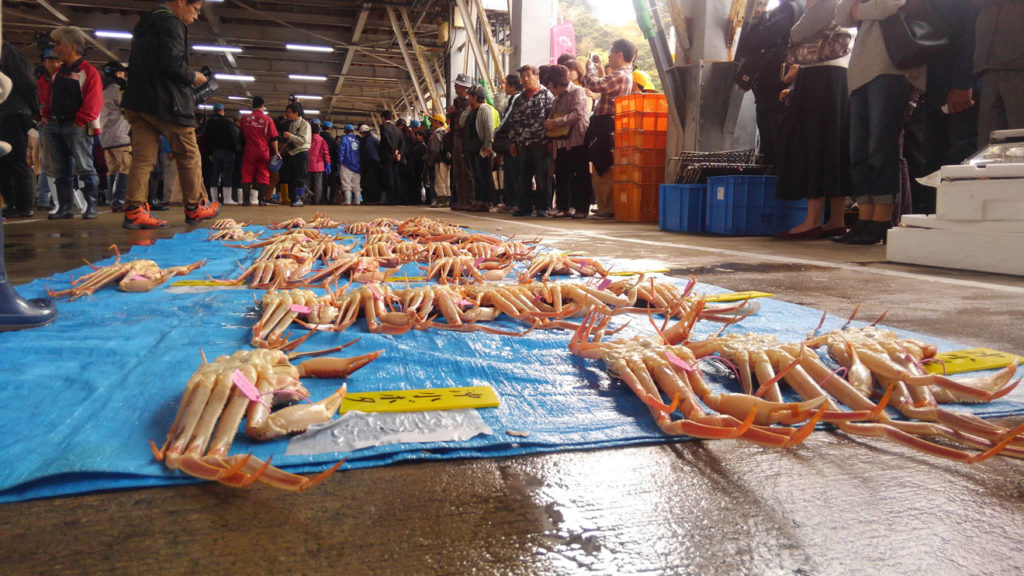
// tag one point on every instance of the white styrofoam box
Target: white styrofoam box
(981, 251)
(933, 221)
(988, 200)
(982, 170)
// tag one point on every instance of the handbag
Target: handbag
(559, 132)
(916, 35)
(828, 44)
(501, 144)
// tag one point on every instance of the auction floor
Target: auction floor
(833, 505)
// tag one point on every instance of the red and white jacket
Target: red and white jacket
(76, 91)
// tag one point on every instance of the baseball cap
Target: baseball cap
(439, 118)
(50, 53)
(414, 124)
(350, 128)
(464, 80)
(643, 79)
(328, 124)
(315, 121)
(218, 106)
(364, 128)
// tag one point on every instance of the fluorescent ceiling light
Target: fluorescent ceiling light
(235, 77)
(113, 34)
(310, 112)
(215, 48)
(205, 106)
(307, 77)
(308, 97)
(239, 98)
(308, 48)
(245, 111)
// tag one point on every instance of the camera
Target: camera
(204, 91)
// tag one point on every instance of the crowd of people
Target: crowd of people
(843, 123)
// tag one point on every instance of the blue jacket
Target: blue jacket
(348, 152)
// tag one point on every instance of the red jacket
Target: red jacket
(43, 83)
(319, 154)
(83, 78)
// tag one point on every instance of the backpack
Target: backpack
(764, 43)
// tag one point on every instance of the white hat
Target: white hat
(364, 128)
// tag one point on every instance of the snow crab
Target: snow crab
(250, 384)
(562, 264)
(653, 366)
(134, 276)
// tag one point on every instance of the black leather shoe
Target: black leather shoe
(874, 232)
(856, 230)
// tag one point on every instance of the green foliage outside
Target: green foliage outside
(592, 36)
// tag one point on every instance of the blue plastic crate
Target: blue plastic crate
(746, 206)
(681, 207)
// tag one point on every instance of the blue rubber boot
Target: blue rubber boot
(16, 313)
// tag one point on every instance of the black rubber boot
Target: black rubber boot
(16, 313)
(90, 203)
(246, 190)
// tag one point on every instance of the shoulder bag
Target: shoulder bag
(916, 35)
(829, 44)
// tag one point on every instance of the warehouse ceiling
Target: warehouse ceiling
(365, 70)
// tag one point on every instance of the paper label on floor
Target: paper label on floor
(355, 430)
(971, 360)
(420, 400)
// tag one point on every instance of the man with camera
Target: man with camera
(159, 100)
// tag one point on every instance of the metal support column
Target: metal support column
(499, 69)
(423, 65)
(478, 53)
(405, 55)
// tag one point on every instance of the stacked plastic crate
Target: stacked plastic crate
(641, 128)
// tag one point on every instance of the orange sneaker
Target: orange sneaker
(202, 212)
(138, 218)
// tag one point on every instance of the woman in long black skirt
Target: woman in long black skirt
(816, 135)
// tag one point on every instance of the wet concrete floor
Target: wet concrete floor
(834, 505)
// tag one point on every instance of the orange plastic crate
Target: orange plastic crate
(639, 157)
(635, 202)
(641, 103)
(641, 138)
(641, 121)
(639, 174)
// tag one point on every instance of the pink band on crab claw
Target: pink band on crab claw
(247, 387)
(604, 284)
(300, 309)
(679, 361)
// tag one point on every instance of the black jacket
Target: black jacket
(220, 134)
(159, 77)
(391, 140)
(24, 96)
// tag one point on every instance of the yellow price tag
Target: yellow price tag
(628, 273)
(206, 283)
(405, 279)
(735, 296)
(420, 400)
(971, 360)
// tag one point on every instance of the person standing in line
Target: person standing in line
(999, 60)
(815, 134)
(572, 171)
(260, 135)
(115, 139)
(478, 120)
(76, 98)
(319, 165)
(392, 151)
(511, 86)
(159, 101)
(47, 185)
(221, 136)
(880, 94)
(438, 161)
(461, 183)
(349, 157)
(530, 145)
(600, 139)
(369, 165)
(295, 170)
(16, 114)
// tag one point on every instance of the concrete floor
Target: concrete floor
(834, 505)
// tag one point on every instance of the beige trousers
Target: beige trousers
(146, 131)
